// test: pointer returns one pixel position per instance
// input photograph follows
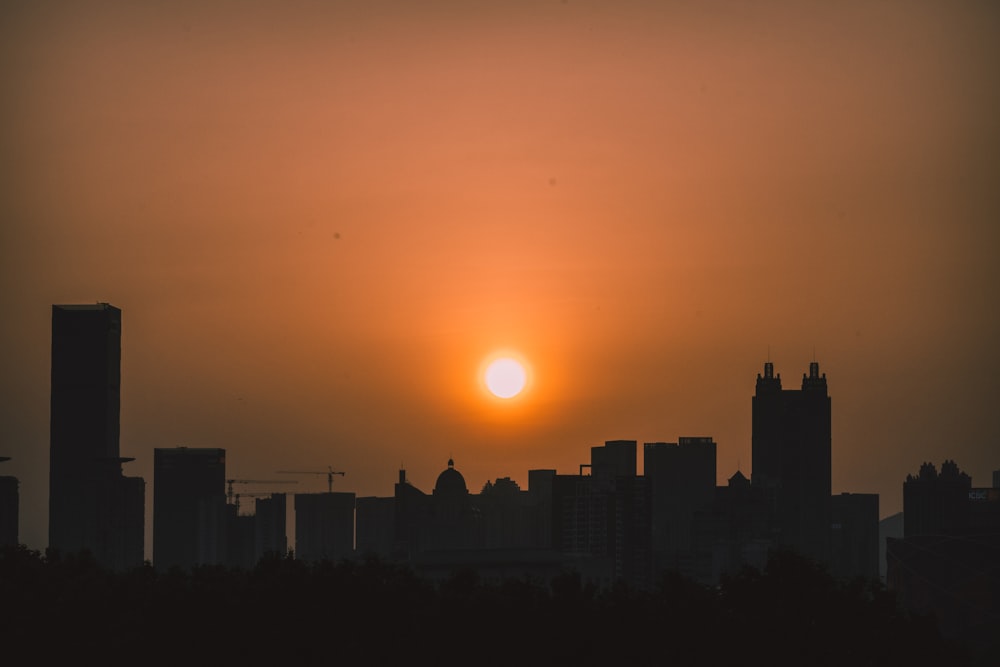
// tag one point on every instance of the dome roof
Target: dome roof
(450, 480)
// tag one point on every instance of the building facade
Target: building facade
(189, 507)
(9, 509)
(92, 505)
(854, 536)
(681, 477)
(791, 450)
(324, 526)
(270, 526)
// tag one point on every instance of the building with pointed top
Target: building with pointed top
(791, 450)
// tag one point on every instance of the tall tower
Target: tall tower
(92, 506)
(791, 450)
(9, 505)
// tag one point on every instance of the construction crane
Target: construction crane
(230, 482)
(329, 472)
(252, 494)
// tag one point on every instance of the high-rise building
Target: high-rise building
(682, 482)
(324, 526)
(936, 504)
(9, 507)
(269, 528)
(854, 536)
(791, 450)
(92, 506)
(189, 507)
(375, 526)
(602, 520)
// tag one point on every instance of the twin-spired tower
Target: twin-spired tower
(791, 443)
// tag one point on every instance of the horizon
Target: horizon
(321, 222)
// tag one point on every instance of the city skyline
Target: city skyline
(788, 422)
(319, 223)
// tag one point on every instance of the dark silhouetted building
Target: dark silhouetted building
(936, 504)
(854, 536)
(375, 528)
(503, 530)
(506, 515)
(410, 535)
(270, 526)
(540, 495)
(92, 505)
(602, 520)
(946, 562)
(241, 539)
(453, 519)
(984, 510)
(791, 449)
(889, 527)
(9, 508)
(324, 526)
(446, 519)
(732, 534)
(189, 507)
(681, 477)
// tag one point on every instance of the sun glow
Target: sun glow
(505, 377)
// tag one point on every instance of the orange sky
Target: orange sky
(318, 219)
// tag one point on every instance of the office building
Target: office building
(324, 526)
(854, 536)
(189, 507)
(9, 509)
(92, 505)
(602, 520)
(375, 527)
(791, 450)
(936, 503)
(681, 476)
(270, 520)
(945, 563)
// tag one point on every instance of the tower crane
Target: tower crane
(252, 494)
(329, 472)
(230, 482)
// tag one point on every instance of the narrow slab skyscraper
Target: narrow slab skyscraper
(92, 506)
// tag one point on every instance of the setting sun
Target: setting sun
(505, 378)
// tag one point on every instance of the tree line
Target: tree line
(370, 611)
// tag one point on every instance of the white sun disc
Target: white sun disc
(505, 378)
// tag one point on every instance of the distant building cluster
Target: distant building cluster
(605, 521)
(947, 561)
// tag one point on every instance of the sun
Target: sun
(505, 377)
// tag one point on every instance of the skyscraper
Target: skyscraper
(682, 482)
(9, 506)
(270, 518)
(791, 450)
(92, 506)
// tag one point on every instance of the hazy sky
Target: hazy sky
(319, 218)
